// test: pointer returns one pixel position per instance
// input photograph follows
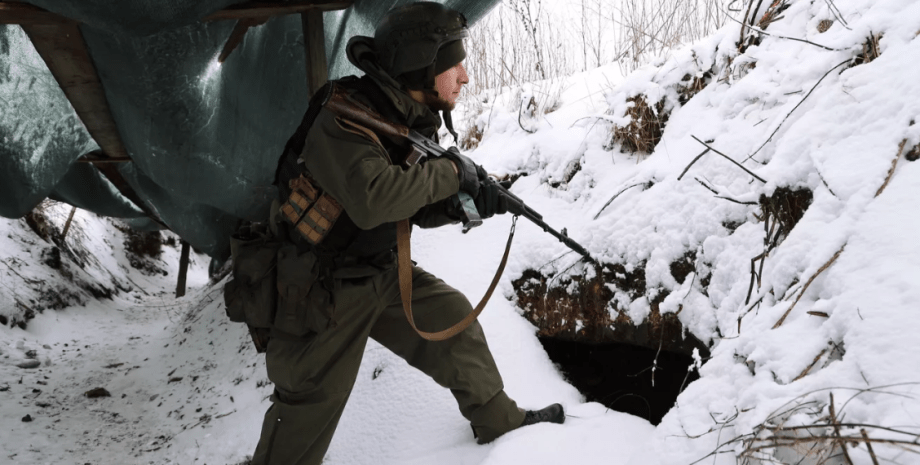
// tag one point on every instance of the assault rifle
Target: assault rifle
(420, 147)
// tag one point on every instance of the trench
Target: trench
(620, 375)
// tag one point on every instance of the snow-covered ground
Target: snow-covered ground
(186, 386)
(834, 311)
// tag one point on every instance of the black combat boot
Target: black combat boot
(552, 414)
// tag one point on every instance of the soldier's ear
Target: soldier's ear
(361, 49)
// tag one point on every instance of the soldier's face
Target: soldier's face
(449, 84)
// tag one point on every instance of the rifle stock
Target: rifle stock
(420, 146)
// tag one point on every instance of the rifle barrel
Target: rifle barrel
(518, 207)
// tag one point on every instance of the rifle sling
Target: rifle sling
(405, 284)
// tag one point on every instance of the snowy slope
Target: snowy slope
(798, 116)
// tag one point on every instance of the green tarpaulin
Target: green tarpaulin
(204, 137)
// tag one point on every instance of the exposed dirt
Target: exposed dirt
(585, 309)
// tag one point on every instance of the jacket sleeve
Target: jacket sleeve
(436, 215)
(355, 170)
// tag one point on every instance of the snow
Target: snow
(839, 143)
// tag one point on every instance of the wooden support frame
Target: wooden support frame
(23, 14)
(271, 9)
(236, 36)
(315, 44)
(183, 270)
(59, 41)
(61, 46)
(253, 14)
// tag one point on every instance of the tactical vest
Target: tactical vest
(344, 241)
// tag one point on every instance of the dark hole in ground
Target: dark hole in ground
(620, 375)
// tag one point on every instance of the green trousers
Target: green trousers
(314, 375)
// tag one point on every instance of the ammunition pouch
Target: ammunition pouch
(303, 306)
(273, 287)
(311, 212)
(251, 296)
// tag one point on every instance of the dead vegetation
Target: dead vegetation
(870, 50)
(143, 249)
(647, 121)
(595, 309)
(913, 154)
(471, 138)
(816, 432)
(38, 221)
(825, 25)
(689, 86)
(645, 127)
(779, 212)
(752, 28)
(773, 13)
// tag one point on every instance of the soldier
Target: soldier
(413, 69)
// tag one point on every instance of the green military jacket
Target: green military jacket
(353, 165)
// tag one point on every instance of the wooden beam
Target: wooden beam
(97, 156)
(315, 44)
(236, 36)
(23, 13)
(63, 49)
(183, 270)
(67, 224)
(270, 9)
(105, 160)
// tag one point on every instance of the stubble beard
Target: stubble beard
(437, 103)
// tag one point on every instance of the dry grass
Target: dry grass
(828, 440)
(870, 51)
(773, 13)
(816, 432)
(38, 220)
(691, 85)
(471, 138)
(914, 153)
(785, 207)
(645, 127)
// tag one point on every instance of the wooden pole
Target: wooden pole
(67, 224)
(315, 44)
(183, 270)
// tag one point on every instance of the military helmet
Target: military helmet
(420, 36)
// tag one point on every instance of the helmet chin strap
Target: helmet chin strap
(449, 124)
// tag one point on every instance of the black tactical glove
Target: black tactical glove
(490, 202)
(471, 175)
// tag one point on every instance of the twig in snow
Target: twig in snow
(757, 29)
(707, 186)
(894, 164)
(751, 157)
(839, 440)
(865, 436)
(520, 112)
(692, 162)
(808, 283)
(730, 159)
(747, 15)
(837, 14)
(824, 181)
(812, 365)
(749, 310)
(555, 259)
(617, 195)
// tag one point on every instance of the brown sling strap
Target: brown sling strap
(405, 284)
